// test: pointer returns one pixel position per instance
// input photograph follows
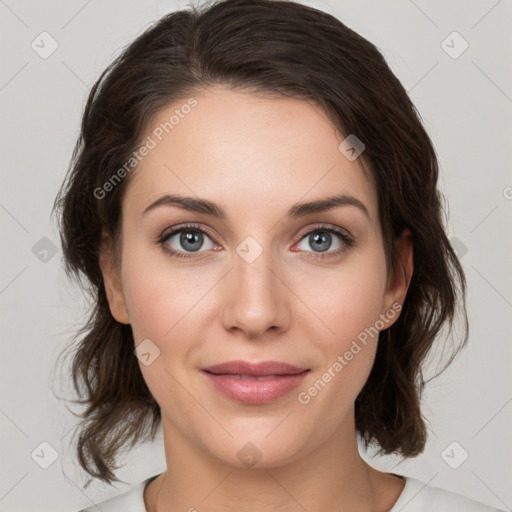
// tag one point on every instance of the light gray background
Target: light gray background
(466, 104)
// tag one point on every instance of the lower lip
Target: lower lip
(255, 391)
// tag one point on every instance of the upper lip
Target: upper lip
(254, 369)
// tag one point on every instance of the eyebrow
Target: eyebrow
(207, 207)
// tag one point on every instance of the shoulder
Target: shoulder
(130, 501)
(416, 497)
(420, 497)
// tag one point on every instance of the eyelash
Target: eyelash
(348, 241)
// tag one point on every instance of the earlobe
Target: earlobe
(112, 282)
(397, 288)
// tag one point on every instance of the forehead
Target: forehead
(248, 153)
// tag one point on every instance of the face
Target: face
(265, 281)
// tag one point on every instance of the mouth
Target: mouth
(254, 383)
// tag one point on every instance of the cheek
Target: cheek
(157, 298)
(349, 304)
(349, 299)
(160, 304)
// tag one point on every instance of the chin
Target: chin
(260, 450)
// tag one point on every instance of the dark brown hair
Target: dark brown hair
(268, 47)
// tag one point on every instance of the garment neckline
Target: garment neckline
(409, 481)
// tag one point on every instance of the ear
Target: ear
(396, 288)
(112, 281)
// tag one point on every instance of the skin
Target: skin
(256, 157)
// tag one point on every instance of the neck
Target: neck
(333, 472)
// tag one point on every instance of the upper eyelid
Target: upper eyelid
(172, 231)
(328, 227)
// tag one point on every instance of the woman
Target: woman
(254, 201)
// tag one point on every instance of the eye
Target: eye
(321, 240)
(185, 239)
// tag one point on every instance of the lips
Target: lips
(254, 383)
(262, 369)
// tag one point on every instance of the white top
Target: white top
(415, 497)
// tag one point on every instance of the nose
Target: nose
(256, 297)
